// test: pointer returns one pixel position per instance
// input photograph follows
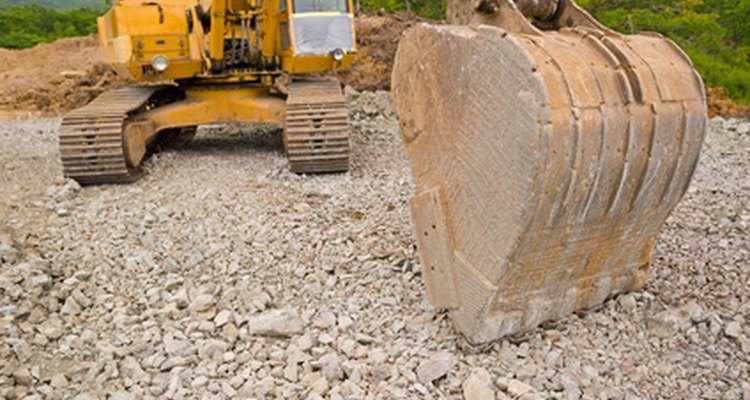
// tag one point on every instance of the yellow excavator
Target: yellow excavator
(206, 62)
(547, 152)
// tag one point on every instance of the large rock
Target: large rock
(435, 367)
(202, 303)
(478, 386)
(279, 323)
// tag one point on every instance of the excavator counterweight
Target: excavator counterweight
(547, 152)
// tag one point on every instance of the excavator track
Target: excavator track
(316, 131)
(91, 145)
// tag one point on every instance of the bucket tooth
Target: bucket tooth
(545, 162)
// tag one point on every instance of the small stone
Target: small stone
(345, 322)
(377, 356)
(733, 330)
(230, 332)
(552, 358)
(331, 368)
(316, 383)
(518, 390)
(361, 338)
(352, 370)
(8, 310)
(236, 382)
(42, 281)
(202, 303)
(51, 329)
(131, 369)
(590, 372)
(222, 318)
(22, 376)
(264, 386)
(68, 191)
(276, 323)
(172, 362)
(206, 326)
(291, 373)
(123, 395)
(478, 386)
(175, 346)
(304, 342)
(665, 324)
(325, 338)
(324, 320)
(628, 303)
(194, 259)
(82, 275)
(435, 367)
(695, 311)
(59, 381)
(228, 390)
(213, 348)
(199, 381)
(71, 307)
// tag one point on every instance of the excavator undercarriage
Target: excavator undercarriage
(547, 151)
(107, 140)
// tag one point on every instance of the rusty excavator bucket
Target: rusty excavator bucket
(547, 152)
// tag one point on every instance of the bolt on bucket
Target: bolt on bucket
(547, 152)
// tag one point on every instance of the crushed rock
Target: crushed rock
(158, 288)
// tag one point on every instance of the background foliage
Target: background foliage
(26, 25)
(56, 4)
(714, 33)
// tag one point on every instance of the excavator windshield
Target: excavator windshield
(321, 27)
(305, 6)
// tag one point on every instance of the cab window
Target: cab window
(303, 6)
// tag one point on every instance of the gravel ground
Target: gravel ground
(222, 275)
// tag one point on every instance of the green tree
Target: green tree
(27, 25)
(714, 33)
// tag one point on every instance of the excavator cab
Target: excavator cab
(317, 32)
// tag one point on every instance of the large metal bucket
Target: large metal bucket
(546, 158)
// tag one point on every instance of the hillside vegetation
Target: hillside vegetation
(27, 25)
(56, 4)
(714, 33)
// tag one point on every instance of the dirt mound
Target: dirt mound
(54, 78)
(722, 106)
(379, 37)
